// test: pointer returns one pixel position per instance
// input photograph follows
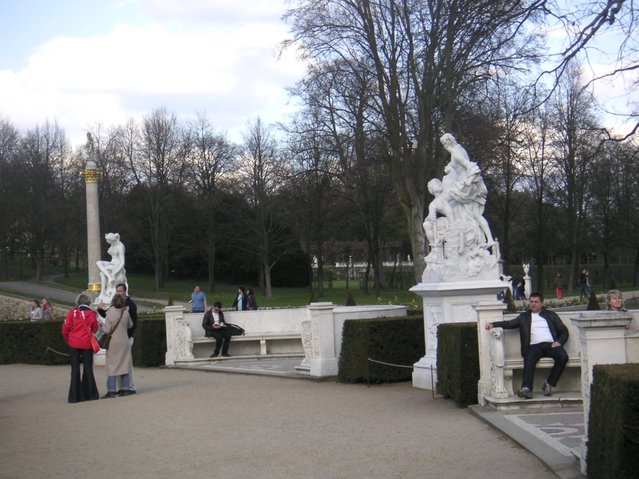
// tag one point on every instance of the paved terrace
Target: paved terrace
(192, 424)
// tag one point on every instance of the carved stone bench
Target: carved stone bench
(266, 341)
(507, 365)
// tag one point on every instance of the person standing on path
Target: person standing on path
(542, 334)
(240, 303)
(36, 311)
(118, 356)
(559, 286)
(198, 301)
(132, 308)
(78, 325)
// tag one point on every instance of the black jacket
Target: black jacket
(207, 322)
(557, 328)
(133, 312)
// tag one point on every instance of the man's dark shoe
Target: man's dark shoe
(132, 391)
(525, 393)
(547, 389)
(226, 355)
(110, 395)
(214, 355)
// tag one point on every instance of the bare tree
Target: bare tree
(574, 150)
(423, 58)
(211, 156)
(158, 163)
(9, 197)
(539, 173)
(43, 153)
(591, 28)
(260, 175)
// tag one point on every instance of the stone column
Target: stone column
(323, 352)
(487, 312)
(602, 341)
(91, 175)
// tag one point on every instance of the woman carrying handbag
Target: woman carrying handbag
(77, 329)
(118, 355)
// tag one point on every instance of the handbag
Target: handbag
(234, 329)
(94, 343)
(105, 340)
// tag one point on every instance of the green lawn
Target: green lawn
(180, 292)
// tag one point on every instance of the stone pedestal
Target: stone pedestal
(487, 312)
(602, 340)
(448, 302)
(324, 360)
(176, 340)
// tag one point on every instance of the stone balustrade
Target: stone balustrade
(313, 332)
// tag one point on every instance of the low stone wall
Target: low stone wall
(12, 309)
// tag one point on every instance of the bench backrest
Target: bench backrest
(255, 322)
(512, 343)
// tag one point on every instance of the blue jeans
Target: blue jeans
(111, 383)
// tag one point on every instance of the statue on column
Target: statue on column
(112, 272)
(462, 245)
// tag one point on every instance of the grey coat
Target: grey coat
(118, 356)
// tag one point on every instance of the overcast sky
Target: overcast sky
(84, 62)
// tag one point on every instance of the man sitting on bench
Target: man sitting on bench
(215, 327)
(542, 334)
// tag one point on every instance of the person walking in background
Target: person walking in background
(198, 301)
(559, 286)
(36, 311)
(47, 310)
(542, 334)
(584, 281)
(240, 303)
(79, 324)
(251, 300)
(215, 327)
(118, 356)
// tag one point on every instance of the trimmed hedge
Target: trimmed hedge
(613, 422)
(458, 362)
(391, 340)
(41, 342)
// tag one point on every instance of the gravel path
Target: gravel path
(191, 424)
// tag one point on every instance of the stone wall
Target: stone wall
(18, 309)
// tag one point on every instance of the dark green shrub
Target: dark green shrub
(508, 301)
(458, 362)
(32, 342)
(390, 340)
(613, 422)
(42, 342)
(350, 299)
(593, 303)
(149, 346)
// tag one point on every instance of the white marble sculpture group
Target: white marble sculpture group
(462, 246)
